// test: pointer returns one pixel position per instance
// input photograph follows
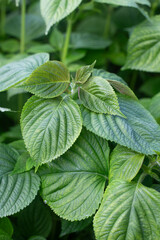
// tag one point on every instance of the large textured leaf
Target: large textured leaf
(129, 211)
(55, 10)
(68, 227)
(50, 127)
(117, 82)
(49, 80)
(144, 47)
(16, 191)
(98, 96)
(124, 164)
(13, 73)
(73, 185)
(139, 131)
(35, 220)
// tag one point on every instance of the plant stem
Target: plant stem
(3, 17)
(108, 21)
(154, 7)
(67, 39)
(144, 174)
(23, 26)
(133, 80)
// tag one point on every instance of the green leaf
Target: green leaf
(37, 238)
(117, 82)
(143, 47)
(107, 75)
(55, 10)
(16, 191)
(19, 146)
(49, 80)
(41, 47)
(56, 39)
(13, 26)
(14, 73)
(127, 3)
(128, 211)
(50, 127)
(73, 185)
(73, 56)
(10, 45)
(88, 40)
(154, 107)
(98, 96)
(71, 227)
(23, 164)
(139, 131)
(35, 220)
(124, 164)
(6, 229)
(83, 74)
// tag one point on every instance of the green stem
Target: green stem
(67, 40)
(144, 174)
(3, 17)
(23, 26)
(154, 7)
(108, 21)
(133, 80)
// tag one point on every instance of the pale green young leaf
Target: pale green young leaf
(49, 80)
(16, 191)
(24, 163)
(139, 131)
(124, 164)
(128, 211)
(98, 96)
(55, 10)
(15, 72)
(73, 185)
(117, 82)
(50, 127)
(83, 74)
(144, 46)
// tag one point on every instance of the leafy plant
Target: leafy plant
(86, 146)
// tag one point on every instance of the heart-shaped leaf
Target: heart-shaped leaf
(98, 96)
(50, 127)
(128, 211)
(73, 185)
(49, 80)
